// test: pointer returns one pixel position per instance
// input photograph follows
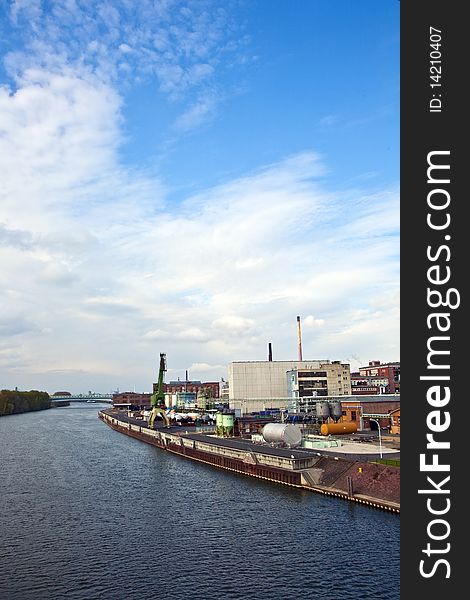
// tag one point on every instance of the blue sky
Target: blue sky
(187, 177)
(323, 75)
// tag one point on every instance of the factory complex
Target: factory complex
(276, 455)
(307, 392)
(295, 422)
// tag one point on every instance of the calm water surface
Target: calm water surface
(88, 513)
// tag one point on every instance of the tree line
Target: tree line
(13, 402)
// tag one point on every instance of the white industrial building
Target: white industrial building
(259, 385)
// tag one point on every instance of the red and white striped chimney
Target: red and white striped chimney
(300, 338)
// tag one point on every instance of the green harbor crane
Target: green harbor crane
(157, 400)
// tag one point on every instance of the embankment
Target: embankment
(13, 402)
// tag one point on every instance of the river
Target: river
(88, 514)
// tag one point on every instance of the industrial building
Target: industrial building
(369, 410)
(329, 379)
(211, 388)
(131, 400)
(368, 386)
(395, 421)
(262, 385)
(224, 391)
(382, 375)
(180, 399)
(366, 412)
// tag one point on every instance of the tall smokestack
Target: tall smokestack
(270, 352)
(300, 338)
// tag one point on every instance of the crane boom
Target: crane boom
(157, 399)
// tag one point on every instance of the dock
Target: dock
(364, 482)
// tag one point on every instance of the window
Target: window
(353, 415)
(308, 374)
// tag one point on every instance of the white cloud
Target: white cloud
(100, 272)
(311, 321)
(233, 324)
(48, 123)
(204, 367)
(191, 334)
(196, 114)
(208, 282)
(122, 43)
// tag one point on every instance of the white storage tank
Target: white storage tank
(282, 433)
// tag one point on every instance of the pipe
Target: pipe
(300, 338)
(270, 352)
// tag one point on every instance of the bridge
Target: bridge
(86, 398)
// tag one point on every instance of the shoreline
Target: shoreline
(312, 471)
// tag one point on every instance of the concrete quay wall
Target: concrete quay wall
(367, 483)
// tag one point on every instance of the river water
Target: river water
(88, 513)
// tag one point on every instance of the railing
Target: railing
(205, 428)
(83, 397)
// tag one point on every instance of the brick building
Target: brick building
(211, 388)
(362, 409)
(382, 371)
(367, 386)
(131, 400)
(395, 421)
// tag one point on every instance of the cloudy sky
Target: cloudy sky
(188, 177)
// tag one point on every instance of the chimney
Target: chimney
(270, 352)
(300, 339)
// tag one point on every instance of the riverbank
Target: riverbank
(363, 482)
(13, 402)
(59, 403)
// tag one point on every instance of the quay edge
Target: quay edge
(370, 484)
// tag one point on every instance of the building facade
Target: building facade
(180, 400)
(395, 421)
(224, 391)
(210, 388)
(131, 400)
(329, 379)
(262, 385)
(365, 411)
(390, 372)
(368, 386)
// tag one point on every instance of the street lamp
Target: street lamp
(380, 437)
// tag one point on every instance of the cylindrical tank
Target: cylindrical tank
(338, 428)
(336, 410)
(227, 423)
(282, 432)
(219, 427)
(323, 409)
